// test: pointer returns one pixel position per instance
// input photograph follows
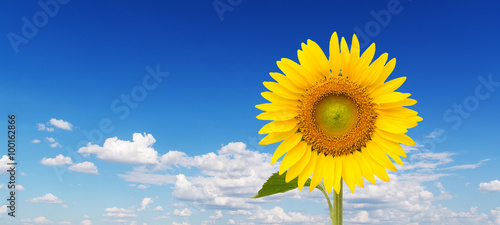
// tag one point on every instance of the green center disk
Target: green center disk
(336, 114)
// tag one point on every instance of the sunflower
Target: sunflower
(337, 117)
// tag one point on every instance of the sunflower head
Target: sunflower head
(337, 117)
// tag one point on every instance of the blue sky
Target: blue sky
(192, 73)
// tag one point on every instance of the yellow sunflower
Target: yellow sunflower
(337, 117)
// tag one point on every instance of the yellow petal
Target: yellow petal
(365, 167)
(281, 91)
(276, 137)
(344, 52)
(354, 55)
(398, 138)
(378, 170)
(286, 82)
(395, 157)
(285, 146)
(274, 98)
(400, 122)
(338, 161)
(320, 58)
(373, 72)
(388, 68)
(398, 112)
(308, 170)
(391, 97)
(405, 102)
(415, 118)
(367, 56)
(388, 87)
(318, 171)
(278, 115)
(294, 72)
(377, 154)
(329, 173)
(362, 66)
(313, 60)
(348, 173)
(278, 126)
(334, 59)
(293, 156)
(389, 126)
(391, 146)
(296, 169)
(357, 171)
(393, 150)
(311, 75)
(270, 107)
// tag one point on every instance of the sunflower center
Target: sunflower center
(336, 116)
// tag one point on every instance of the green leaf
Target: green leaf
(276, 184)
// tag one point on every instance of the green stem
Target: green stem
(322, 188)
(337, 204)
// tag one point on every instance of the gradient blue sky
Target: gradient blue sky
(88, 54)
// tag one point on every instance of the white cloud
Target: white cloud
(278, 215)
(495, 213)
(3, 209)
(3, 164)
(218, 215)
(158, 208)
(19, 187)
(240, 212)
(64, 206)
(230, 176)
(148, 178)
(184, 212)
(84, 167)
(142, 186)
(36, 141)
(37, 220)
(362, 217)
(492, 186)
(119, 213)
(179, 205)
(181, 223)
(467, 166)
(116, 209)
(145, 202)
(23, 174)
(47, 198)
(55, 145)
(139, 151)
(86, 216)
(42, 126)
(86, 222)
(444, 194)
(59, 160)
(61, 124)
(435, 134)
(50, 139)
(65, 222)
